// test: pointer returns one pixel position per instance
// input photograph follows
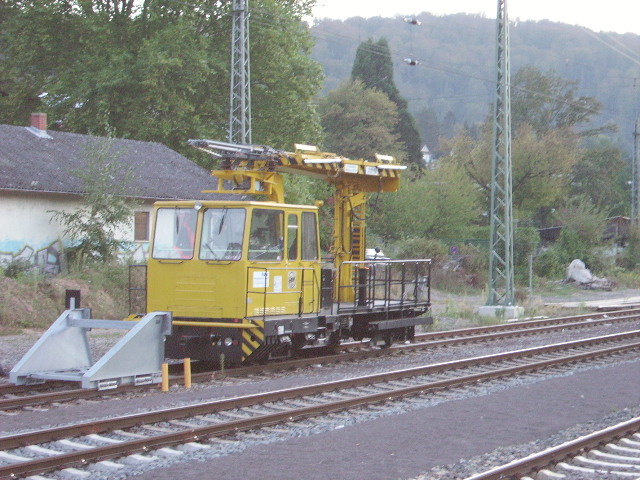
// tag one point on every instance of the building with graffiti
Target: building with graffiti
(38, 176)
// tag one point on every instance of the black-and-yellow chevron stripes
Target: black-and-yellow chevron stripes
(252, 339)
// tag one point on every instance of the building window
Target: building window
(141, 227)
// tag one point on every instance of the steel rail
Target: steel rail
(61, 396)
(432, 339)
(12, 441)
(194, 434)
(11, 389)
(628, 315)
(557, 454)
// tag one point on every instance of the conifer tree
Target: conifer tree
(374, 68)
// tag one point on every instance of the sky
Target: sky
(620, 16)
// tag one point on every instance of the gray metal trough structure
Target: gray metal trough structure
(63, 353)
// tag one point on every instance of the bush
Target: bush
(571, 246)
(113, 277)
(602, 261)
(631, 257)
(475, 260)
(105, 209)
(628, 279)
(17, 267)
(422, 247)
(455, 273)
(526, 242)
(549, 264)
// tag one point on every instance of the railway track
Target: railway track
(141, 437)
(611, 453)
(52, 393)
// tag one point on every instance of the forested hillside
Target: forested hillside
(453, 83)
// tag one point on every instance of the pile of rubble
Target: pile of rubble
(577, 272)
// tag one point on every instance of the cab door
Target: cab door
(303, 258)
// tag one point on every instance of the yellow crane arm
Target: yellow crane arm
(255, 169)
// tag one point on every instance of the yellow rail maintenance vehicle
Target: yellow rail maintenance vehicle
(245, 281)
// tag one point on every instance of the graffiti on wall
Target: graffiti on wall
(50, 259)
(46, 260)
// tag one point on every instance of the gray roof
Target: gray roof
(31, 161)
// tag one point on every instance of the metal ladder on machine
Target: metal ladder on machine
(63, 352)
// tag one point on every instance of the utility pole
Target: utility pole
(240, 110)
(635, 174)
(501, 279)
(635, 166)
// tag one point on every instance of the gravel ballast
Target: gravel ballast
(436, 438)
(447, 436)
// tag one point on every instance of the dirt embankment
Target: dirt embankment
(36, 305)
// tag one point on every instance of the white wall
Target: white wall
(28, 229)
(25, 220)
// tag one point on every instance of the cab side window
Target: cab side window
(310, 250)
(266, 239)
(292, 236)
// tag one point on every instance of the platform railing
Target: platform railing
(385, 285)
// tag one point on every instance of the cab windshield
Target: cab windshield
(222, 234)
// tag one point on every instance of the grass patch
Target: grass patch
(32, 301)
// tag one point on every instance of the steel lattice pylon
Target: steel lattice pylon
(635, 175)
(501, 282)
(240, 111)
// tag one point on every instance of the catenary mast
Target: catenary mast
(635, 164)
(501, 279)
(240, 110)
(635, 174)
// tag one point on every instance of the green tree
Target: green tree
(546, 116)
(285, 79)
(541, 166)
(94, 227)
(602, 175)
(541, 169)
(583, 224)
(441, 204)
(374, 68)
(359, 122)
(545, 144)
(546, 102)
(156, 70)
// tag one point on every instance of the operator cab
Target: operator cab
(245, 255)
